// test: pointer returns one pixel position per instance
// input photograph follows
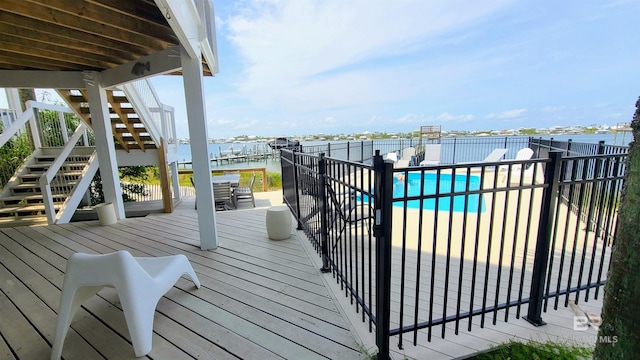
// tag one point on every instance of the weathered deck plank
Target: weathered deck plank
(259, 299)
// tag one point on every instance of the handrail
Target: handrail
(145, 106)
(8, 133)
(72, 201)
(52, 171)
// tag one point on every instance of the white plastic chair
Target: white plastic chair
(140, 283)
(516, 169)
(391, 156)
(431, 155)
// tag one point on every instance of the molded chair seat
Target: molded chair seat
(140, 283)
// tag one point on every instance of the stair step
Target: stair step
(134, 145)
(38, 220)
(35, 177)
(42, 167)
(33, 189)
(29, 199)
(29, 209)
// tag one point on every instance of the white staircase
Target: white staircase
(22, 203)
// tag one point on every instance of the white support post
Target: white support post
(175, 180)
(197, 120)
(63, 127)
(35, 127)
(105, 148)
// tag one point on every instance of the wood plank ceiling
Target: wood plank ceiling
(79, 35)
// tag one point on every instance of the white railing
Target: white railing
(154, 192)
(17, 126)
(157, 117)
(7, 117)
(63, 183)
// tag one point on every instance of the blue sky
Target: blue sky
(296, 67)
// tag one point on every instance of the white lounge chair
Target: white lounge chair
(408, 153)
(495, 156)
(431, 155)
(402, 163)
(516, 169)
(391, 156)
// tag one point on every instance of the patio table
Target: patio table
(234, 179)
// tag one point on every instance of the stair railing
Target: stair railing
(147, 104)
(53, 181)
(17, 126)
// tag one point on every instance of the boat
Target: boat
(284, 143)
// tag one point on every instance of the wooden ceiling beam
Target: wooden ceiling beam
(67, 34)
(108, 16)
(12, 46)
(142, 10)
(67, 45)
(49, 15)
(48, 51)
(33, 62)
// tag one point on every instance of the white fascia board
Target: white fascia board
(209, 55)
(162, 62)
(42, 79)
(136, 157)
(208, 41)
(182, 16)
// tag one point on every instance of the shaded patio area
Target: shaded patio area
(260, 299)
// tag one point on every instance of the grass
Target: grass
(534, 350)
(274, 179)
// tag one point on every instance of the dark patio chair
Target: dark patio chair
(223, 195)
(245, 193)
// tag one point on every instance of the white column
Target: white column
(175, 180)
(198, 138)
(105, 148)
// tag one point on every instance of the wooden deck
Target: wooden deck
(260, 299)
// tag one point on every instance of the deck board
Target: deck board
(260, 299)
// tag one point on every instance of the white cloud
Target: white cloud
(508, 114)
(310, 53)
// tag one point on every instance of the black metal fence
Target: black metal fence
(418, 248)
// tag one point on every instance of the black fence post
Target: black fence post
(545, 231)
(322, 189)
(296, 187)
(383, 197)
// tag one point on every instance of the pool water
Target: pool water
(473, 202)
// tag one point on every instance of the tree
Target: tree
(619, 334)
(25, 95)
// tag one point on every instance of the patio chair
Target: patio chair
(431, 155)
(495, 156)
(402, 163)
(391, 156)
(194, 186)
(223, 195)
(408, 153)
(140, 283)
(245, 193)
(516, 169)
(347, 211)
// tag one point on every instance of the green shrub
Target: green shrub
(533, 350)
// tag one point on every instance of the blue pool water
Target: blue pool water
(444, 202)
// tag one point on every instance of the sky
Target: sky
(298, 67)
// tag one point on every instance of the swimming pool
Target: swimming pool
(444, 202)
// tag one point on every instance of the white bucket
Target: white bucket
(106, 213)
